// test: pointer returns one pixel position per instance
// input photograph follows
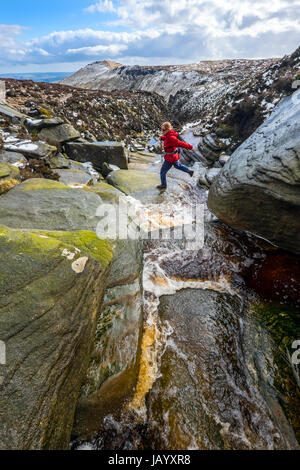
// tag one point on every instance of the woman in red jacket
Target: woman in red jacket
(170, 144)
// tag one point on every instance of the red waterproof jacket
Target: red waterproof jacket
(171, 143)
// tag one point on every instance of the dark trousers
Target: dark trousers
(166, 166)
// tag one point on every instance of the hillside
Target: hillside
(165, 80)
(97, 115)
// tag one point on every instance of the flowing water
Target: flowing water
(215, 367)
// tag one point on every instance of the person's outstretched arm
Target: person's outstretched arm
(178, 143)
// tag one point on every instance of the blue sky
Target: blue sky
(64, 35)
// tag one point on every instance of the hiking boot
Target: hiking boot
(191, 172)
(161, 187)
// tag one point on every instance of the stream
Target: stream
(215, 369)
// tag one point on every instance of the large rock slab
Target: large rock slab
(49, 205)
(214, 390)
(258, 189)
(59, 134)
(133, 181)
(51, 285)
(97, 153)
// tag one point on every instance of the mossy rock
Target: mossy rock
(8, 172)
(133, 181)
(51, 286)
(34, 184)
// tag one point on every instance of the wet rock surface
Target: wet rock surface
(194, 404)
(114, 365)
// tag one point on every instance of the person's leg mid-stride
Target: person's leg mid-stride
(180, 166)
(169, 146)
(166, 166)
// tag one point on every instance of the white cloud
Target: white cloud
(166, 31)
(8, 34)
(113, 50)
(101, 6)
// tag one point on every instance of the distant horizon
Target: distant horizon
(48, 77)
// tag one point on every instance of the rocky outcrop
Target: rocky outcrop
(49, 205)
(258, 188)
(51, 286)
(98, 153)
(12, 113)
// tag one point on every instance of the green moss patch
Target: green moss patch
(39, 242)
(87, 242)
(41, 183)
